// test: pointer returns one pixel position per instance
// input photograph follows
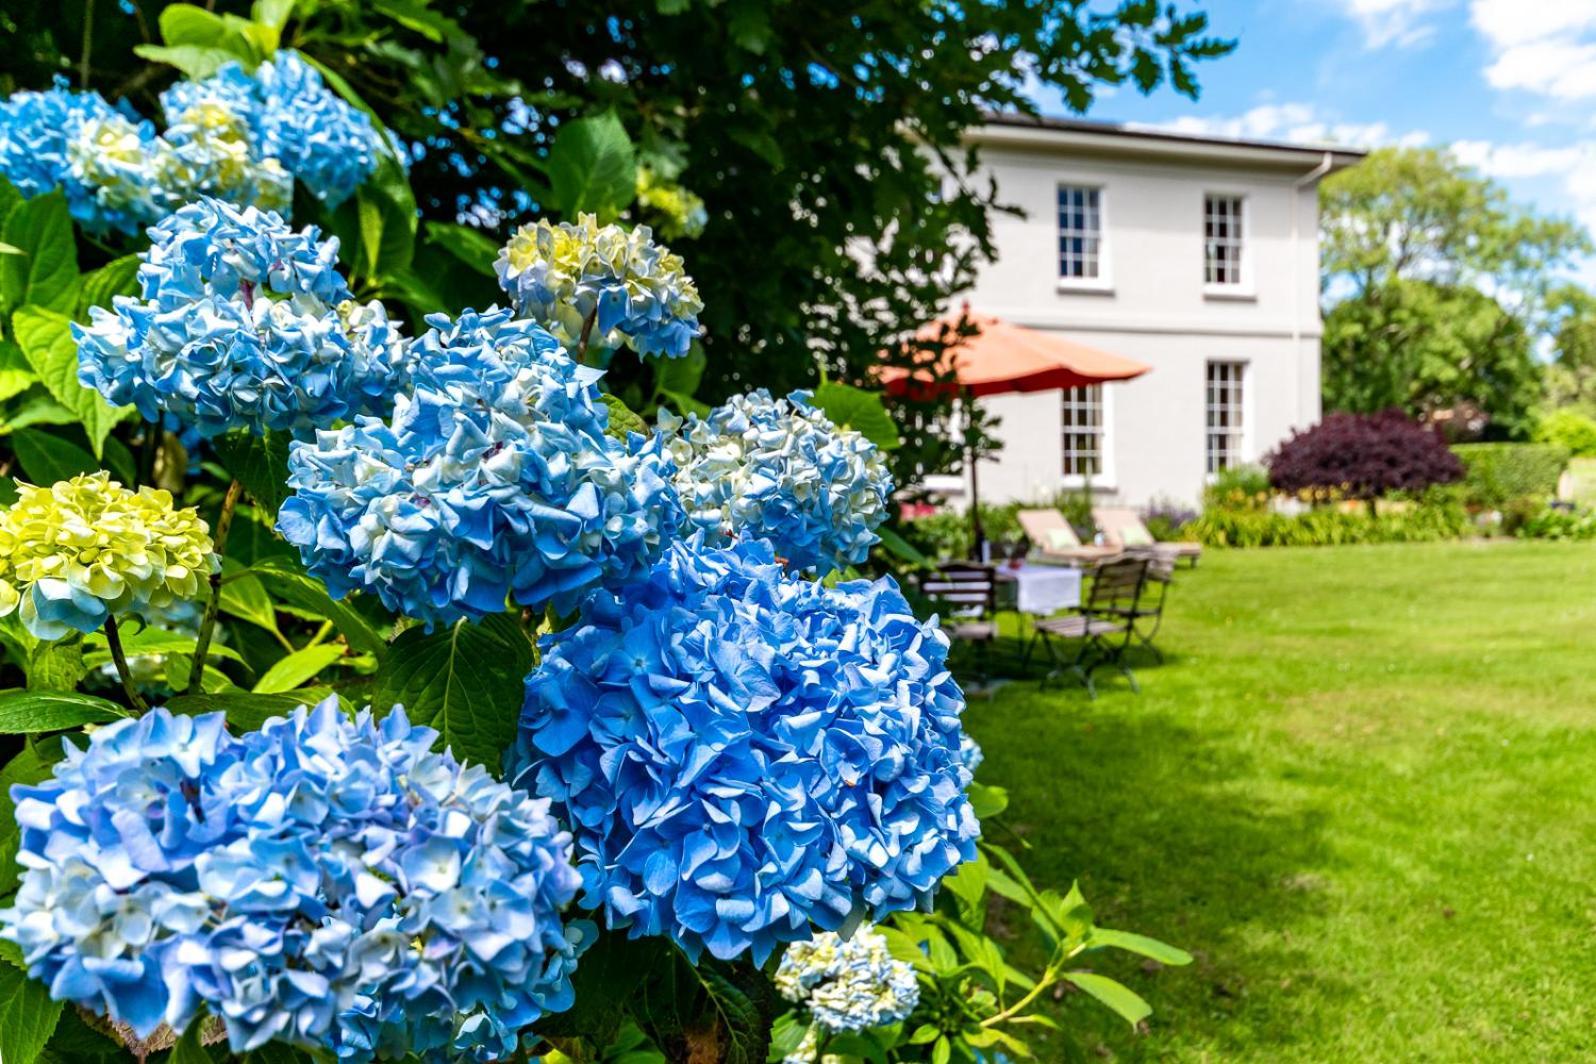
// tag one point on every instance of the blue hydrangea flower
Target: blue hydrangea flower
(743, 754)
(634, 291)
(494, 480)
(321, 881)
(291, 122)
(99, 156)
(243, 323)
(778, 469)
(211, 149)
(848, 984)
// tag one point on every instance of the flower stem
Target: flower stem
(202, 646)
(113, 639)
(587, 331)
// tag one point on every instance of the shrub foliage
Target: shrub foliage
(1363, 456)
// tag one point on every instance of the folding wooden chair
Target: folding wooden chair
(964, 595)
(1104, 625)
(1148, 615)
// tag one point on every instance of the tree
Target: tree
(824, 139)
(1571, 377)
(1436, 285)
(1428, 348)
(1363, 456)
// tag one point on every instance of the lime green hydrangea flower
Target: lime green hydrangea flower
(607, 284)
(85, 549)
(680, 211)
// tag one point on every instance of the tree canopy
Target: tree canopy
(1436, 286)
(825, 140)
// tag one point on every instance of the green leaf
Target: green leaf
(465, 680)
(1161, 952)
(152, 641)
(260, 463)
(246, 710)
(57, 665)
(473, 247)
(297, 668)
(27, 1015)
(623, 419)
(46, 273)
(188, 24)
(46, 339)
(592, 167)
(272, 13)
(244, 597)
(1115, 995)
(119, 277)
(745, 1006)
(197, 62)
(901, 549)
(29, 766)
(854, 408)
(46, 458)
(987, 801)
(680, 376)
(23, 712)
(386, 210)
(941, 1050)
(299, 589)
(190, 1049)
(16, 376)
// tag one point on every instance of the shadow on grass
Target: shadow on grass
(1145, 812)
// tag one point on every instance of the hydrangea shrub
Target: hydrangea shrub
(745, 754)
(651, 748)
(239, 136)
(242, 323)
(319, 881)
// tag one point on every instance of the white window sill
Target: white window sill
(1095, 286)
(1234, 292)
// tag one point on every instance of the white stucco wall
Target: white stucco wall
(1152, 306)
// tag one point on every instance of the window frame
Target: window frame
(1239, 450)
(1104, 281)
(1243, 286)
(1104, 477)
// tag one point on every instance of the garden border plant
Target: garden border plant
(714, 741)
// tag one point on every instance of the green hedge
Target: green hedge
(1329, 527)
(1498, 473)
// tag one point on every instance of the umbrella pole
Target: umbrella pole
(977, 533)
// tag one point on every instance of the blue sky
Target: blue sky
(1510, 84)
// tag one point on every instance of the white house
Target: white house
(1195, 255)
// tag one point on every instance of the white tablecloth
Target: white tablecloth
(1044, 589)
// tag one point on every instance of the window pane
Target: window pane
(1080, 231)
(1223, 239)
(1224, 402)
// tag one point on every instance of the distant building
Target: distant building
(1196, 255)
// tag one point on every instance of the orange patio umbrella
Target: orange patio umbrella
(1002, 358)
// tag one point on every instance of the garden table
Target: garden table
(1040, 590)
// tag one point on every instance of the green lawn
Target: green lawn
(1362, 791)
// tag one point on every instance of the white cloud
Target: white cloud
(1546, 47)
(1520, 160)
(1296, 123)
(1402, 23)
(1506, 23)
(1572, 166)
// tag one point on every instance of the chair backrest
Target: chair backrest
(1161, 568)
(1121, 526)
(961, 588)
(1047, 530)
(1117, 586)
